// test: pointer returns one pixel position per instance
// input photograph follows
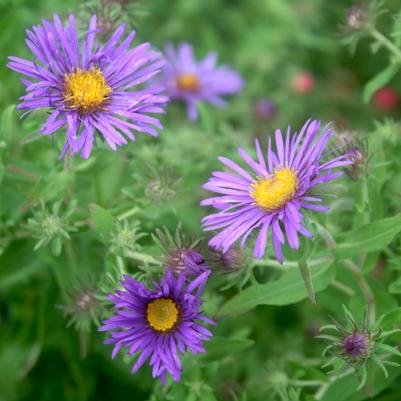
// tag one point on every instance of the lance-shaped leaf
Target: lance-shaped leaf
(288, 289)
(371, 237)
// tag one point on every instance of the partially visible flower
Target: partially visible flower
(357, 17)
(88, 87)
(111, 13)
(51, 226)
(230, 261)
(158, 323)
(276, 193)
(194, 82)
(181, 254)
(303, 82)
(264, 110)
(358, 153)
(358, 345)
(386, 99)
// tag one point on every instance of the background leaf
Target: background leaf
(372, 237)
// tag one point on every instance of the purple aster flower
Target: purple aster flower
(276, 193)
(159, 323)
(193, 82)
(89, 87)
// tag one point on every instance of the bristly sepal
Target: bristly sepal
(361, 348)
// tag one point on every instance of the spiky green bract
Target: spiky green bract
(181, 253)
(360, 347)
(51, 226)
(83, 306)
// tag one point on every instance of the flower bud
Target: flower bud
(356, 345)
(264, 110)
(386, 99)
(356, 18)
(303, 83)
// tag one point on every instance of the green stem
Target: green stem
(290, 265)
(120, 265)
(385, 42)
(128, 213)
(365, 288)
(343, 288)
(304, 383)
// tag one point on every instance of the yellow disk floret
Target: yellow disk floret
(162, 314)
(272, 192)
(85, 90)
(188, 83)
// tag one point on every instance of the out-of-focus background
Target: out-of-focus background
(295, 64)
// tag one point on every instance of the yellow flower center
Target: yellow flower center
(85, 90)
(188, 83)
(272, 192)
(162, 314)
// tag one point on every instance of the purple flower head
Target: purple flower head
(88, 87)
(181, 253)
(356, 345)
(186, 260)
(160, 323)
(230, 261)
(194, 82)
(275, 194)
(264, 110)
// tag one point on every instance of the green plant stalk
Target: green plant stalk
(343, 288)
(385, 42)
(365, 288)
(290, 265)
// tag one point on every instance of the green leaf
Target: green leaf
(102, 218)
(307, 277)
(395, 286)
(220, 347)
(389, 320)
(372, 237)
(288, 289)
(345, 388)
(6, 124)
(379, 80)
(18, 263)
